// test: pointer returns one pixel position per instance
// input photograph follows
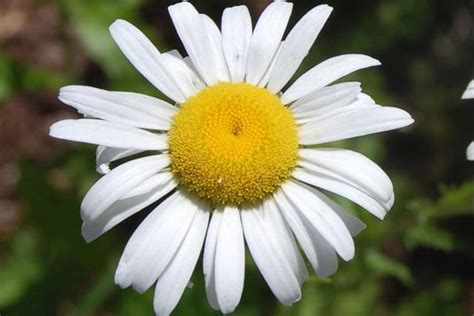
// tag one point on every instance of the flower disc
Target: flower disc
(233, 143)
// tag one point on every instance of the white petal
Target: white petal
(141, 238)
(320, 254)
(108, 134)
(326, 72)
(151, 184)
(266, 77)
(185, 77)
(116, 184)
(174, 53)
(266, 39)
(469, 93)
(168, 235)
(353, 122)
(363, 98)
(171, 285)
(356, 195)
(285, 239)
(193, 33)
(322, 217)
(325, 99)
(326, 96)
(209, 258)
(470, 151)
(297, 227)
(327, 257)
(152, 190)
(157, 239)
(271, 262)
(215, 37)
(191, 66)
(145, 58)
(350, 167)
(297, 45)
(229, 261)
(236, 36)
(128, 108)
(105, 155)
(353, 224)
(361, 102)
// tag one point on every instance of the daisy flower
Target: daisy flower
(469, 94)
(232, 158)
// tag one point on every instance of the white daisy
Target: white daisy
(469, 94)
(234, 157)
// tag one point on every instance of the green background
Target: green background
(418, 261)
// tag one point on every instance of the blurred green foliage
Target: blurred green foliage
(418, 261)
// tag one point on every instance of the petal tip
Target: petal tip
(121, 278)
(120, 22)
(51, 129)
(140, 288)
(86, 215)
(381, 216)
(54, 129)
(327, 272)
(408, 121)
(182, 4)
(375, 62)
(88, 237)
(349, 255)
(116, 24)
(63, 89)
(326, 7)
(228, 309)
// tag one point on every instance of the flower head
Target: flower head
(231, 156)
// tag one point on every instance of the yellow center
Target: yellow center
(233, 143)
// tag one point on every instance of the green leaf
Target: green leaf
(429, 236)
(384, 265)
(97, 294)
(91, 21)
(21, 268)
(6, 77)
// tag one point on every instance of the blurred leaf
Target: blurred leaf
(384, 265)
(21, 268)
(457, 200)
(403, 17)
(439, 299)
(92, 20)
(24, 77)
(6, 75)
(429, 236)
(98, 293)
(34, 78)
(454, 201)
